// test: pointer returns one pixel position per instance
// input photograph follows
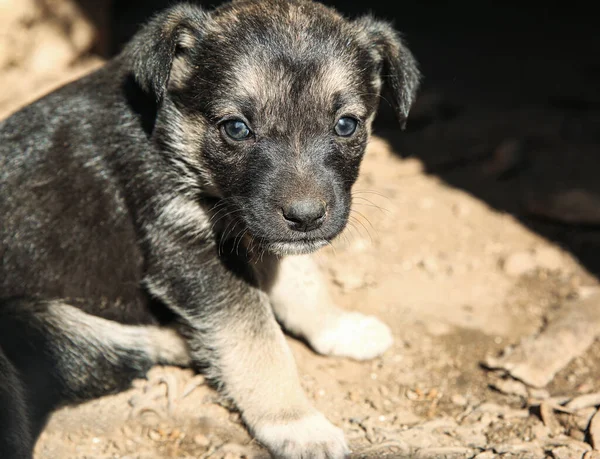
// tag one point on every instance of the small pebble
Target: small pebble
(486, 455)
(154, 435)
(564, 452)
(353, 396)
(429, 265)
(201, 440)
(449, 452)
(459, 400)
(522, 450)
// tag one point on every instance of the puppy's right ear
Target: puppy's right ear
(153, 49)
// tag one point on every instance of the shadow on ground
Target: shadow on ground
(510, 112)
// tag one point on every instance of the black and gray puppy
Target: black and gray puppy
(145, 210)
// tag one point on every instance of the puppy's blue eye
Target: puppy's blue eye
(237, 129)
(346, 126)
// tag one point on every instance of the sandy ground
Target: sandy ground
(459, 272)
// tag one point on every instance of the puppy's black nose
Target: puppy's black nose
(305, 214)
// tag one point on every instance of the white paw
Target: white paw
(354, 335)
(312, 437)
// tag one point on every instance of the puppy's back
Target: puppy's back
(66, 231)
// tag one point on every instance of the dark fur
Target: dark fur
(120, 196)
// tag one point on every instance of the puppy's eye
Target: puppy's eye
(346, 126)
(236, 129)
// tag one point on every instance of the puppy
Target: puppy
(147, 209)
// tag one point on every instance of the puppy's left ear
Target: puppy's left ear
(397, 66)
(154, 48)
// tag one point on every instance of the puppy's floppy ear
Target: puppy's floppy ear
(397, 66)
(153, 49)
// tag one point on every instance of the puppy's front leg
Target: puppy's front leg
(303, 305)
(233, 333)
(260, 375)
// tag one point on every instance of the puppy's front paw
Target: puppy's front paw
(311, 437)
(354, 335)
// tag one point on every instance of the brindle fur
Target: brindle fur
(134, 232)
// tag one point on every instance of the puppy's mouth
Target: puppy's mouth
(299, 247)
(265, 229)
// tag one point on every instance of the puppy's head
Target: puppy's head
(267, 105)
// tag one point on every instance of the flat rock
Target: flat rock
(584, 401)
(510, 386)
(538, 358)
(472, 436)
(486, 455)
(594, 431)
(444, 452)
(564, 452)
(523, 450)
(567, 442)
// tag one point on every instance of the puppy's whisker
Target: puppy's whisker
(230, 227)
(223, 217)
(364, 217)
(332, 247)
(218, 208)
(377, 193)
(353, 231)
(381, 209)
(360, 217)
(359, 229)
(239, 237)
(362, 198)
(221, 204)
(251, 250)
(354, 219)
(345, 237)
(262, 253)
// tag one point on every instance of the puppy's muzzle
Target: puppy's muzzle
(305, 214)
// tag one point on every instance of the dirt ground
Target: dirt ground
(445, 244)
